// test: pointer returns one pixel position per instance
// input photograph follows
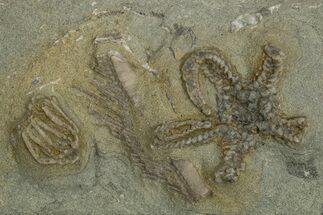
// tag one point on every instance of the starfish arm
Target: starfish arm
(265, 83)
(271, 69)
(234, 147)
(290, 130)
(179, 134)
(232, 165)
(217, 70)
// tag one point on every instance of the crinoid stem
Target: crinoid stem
(126, 74)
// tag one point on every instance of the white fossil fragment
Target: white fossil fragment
(192, 177)
(252, 19)
(245, 20)
(125, 73)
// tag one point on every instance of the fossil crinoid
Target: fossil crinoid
(49, 134)
(47, 138)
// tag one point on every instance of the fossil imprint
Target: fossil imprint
(245, 110)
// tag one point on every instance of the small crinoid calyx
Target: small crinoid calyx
(49, 134)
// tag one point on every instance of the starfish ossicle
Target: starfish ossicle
(245, 110)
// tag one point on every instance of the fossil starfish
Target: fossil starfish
(246, 109)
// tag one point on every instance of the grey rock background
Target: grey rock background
(290, 180)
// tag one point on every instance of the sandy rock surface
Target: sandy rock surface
(49, 48)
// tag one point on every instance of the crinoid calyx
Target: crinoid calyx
(50, 136)
(47, 138)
